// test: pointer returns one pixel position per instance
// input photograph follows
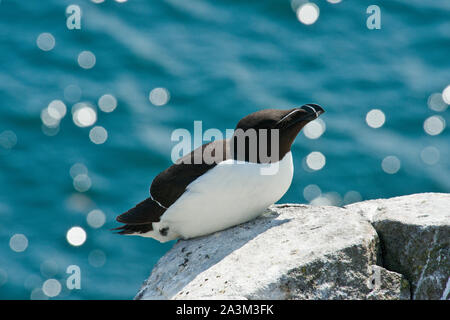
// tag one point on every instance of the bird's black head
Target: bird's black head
(267, 124)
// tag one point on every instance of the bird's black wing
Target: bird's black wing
(146, 211)
(170, 184)
(140, 218)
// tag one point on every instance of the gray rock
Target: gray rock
(388, 285)
(290, 252)
(415, 235)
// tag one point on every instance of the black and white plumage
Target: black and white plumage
(198, 197)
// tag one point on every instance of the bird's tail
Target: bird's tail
(130, 229)
(139, 219)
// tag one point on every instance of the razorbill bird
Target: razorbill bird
(199, 195)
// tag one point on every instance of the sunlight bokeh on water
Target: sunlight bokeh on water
(87, 114)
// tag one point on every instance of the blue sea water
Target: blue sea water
(220, 60)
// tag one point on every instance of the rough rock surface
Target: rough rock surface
(379, 249)
(415, 238)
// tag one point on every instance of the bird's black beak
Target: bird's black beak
(314, 110)
(305, 113)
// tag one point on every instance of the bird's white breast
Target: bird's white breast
(229, 194)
